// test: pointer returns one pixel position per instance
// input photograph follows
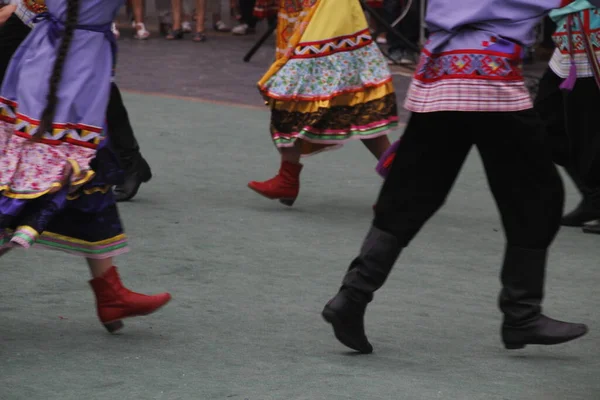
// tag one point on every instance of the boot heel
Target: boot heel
(510, 346)
(114, 326)
(287, 202)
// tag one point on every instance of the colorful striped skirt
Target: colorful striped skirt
(329, 83)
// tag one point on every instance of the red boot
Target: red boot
(283, 187)
(115, 302)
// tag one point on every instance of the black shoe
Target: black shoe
(134, 177)
(347, 318)
(589, 207)
(542, 331)
(592, 229)
(584, 212)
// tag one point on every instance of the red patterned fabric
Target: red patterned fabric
(469, 80)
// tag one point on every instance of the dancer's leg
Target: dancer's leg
(530, 196)
(285, 186)
(115, 302)
(377, 146)
(120, 132)
(427, 163)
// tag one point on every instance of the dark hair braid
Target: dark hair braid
(47, 119)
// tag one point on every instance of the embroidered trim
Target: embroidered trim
(468, 64)
(334, 45)
(25, 127)
(562, 41)
(36, 6)
(25, 236)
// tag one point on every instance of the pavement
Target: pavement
(250, 277)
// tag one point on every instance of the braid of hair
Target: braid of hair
(47, 119)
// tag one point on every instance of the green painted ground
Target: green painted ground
(249, 279)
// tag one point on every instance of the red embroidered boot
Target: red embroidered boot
(283, 187)
(115, 302)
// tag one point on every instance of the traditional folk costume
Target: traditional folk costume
(468, 90)
(567, 100)
(137, 170)
(329, 84)
(55, 192)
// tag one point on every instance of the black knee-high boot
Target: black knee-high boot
(522, 277)
(366, 274)
(589, 207)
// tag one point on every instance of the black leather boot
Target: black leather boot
(589, 207)
(367, 273)
(124, 143)
(137, 171)
(595, 229)
(522, 278)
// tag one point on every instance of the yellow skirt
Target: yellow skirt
(329, 83)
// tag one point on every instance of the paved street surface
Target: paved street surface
(249, 277)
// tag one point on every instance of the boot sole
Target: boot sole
(114, 326)
(331, 317)
(285, 201)
(517, 346)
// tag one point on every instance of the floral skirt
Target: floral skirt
(56, 192)
(330, 83)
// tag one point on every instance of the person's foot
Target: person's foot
(409, 58)
(402, 57)
(395, 56)
(114, 302)
(381, 39)
(592, 228)
(347, 319)
(174, 34)
(221, 26)
(242, 29)
(141, 33)
(137, 174)
(542, 331)
(284, 186)
(586, 211)
(199, 37)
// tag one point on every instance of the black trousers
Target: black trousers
(247, 12)
(120, 132)
(572, 124)
(518, 164)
